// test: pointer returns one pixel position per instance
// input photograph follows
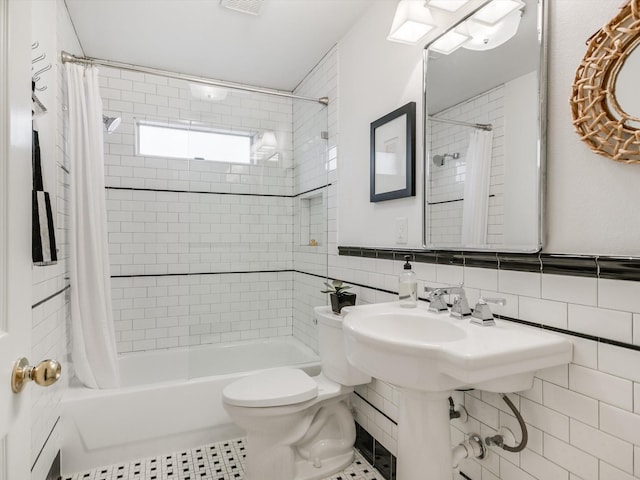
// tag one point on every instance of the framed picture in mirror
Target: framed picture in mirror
(393, 152)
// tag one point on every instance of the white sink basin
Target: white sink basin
(425, 351)
(428, 354)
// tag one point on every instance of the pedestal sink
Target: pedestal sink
(426, 355)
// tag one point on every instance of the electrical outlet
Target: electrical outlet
(402, 227)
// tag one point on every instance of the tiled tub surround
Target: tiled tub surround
(583, 419)
(202, 251)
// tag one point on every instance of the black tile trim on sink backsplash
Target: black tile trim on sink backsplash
(577, 266)
(592, 266)
(618, 268)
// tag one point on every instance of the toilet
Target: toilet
(299, 427)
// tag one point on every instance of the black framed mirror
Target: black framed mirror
(393, 154)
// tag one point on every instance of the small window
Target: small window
(180, 142)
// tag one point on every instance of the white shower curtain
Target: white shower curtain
(93, 348)
(475, 212)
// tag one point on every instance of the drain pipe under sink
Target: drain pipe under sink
(470, 448)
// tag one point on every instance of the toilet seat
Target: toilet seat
(272, 388)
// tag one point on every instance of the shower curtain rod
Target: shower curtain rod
(482, 126)
(69, 58)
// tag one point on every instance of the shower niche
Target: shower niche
(311, 219)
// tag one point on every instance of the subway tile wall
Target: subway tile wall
(50, 335)
(158, 232)
(178, 228)
(154, 312)
(141, 97)
(447, 181)
(582, 418)
(313, 174)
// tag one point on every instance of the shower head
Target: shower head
(111, 123)
(438, 160)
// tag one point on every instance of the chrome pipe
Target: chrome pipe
(70, 58)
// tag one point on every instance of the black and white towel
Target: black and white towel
(43, 243)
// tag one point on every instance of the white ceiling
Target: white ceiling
(275, 49)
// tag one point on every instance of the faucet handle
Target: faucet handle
(436, 300)
(497, 301)
(482, 314)
(460, 307)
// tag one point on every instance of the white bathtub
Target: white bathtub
(169, 401)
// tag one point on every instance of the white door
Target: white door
(15, 233)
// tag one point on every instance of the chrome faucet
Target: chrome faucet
(482, 314)
(460, 307)
(436, 300)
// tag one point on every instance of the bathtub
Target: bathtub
(169, 400)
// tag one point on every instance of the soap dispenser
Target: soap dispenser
(408, 286)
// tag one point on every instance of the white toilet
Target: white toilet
(299, 427)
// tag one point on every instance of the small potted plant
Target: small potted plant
(339, 298)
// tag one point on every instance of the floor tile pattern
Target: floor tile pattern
(217, 461)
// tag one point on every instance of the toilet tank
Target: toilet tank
(332, 353)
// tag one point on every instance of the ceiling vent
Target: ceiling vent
(251, 7)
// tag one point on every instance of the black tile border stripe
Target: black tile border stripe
(585, 336)
(44, 444)
(452, 201)
(204, 192)
(590, 266)
(619, 268)
(376, 408)
(50, 297)
(188, 274)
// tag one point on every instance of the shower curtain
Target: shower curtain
(93, 347)
(475, 210)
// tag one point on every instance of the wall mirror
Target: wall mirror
(484, 133)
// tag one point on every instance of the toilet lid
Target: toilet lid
(272, 388)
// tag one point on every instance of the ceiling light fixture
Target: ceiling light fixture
(411, 22)
(449, 42)
(448, 5)
(497, 10)
(486, 37)
(252, 7)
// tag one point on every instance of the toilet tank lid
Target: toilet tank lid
(272, 388)
(326, 316)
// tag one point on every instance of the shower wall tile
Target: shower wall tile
(182, 310)
(50, 313)
(151, 98)
(311, 208)
(168, 232)
(180, 220)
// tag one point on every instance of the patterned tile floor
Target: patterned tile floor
(217, 461)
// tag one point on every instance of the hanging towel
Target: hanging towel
(43, 243)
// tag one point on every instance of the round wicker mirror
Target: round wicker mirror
(597, 116)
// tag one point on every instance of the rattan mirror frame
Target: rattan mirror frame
(597, 116)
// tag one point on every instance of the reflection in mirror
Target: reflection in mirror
(626, 87)
(483, 138)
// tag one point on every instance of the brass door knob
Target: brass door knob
(46, 373)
